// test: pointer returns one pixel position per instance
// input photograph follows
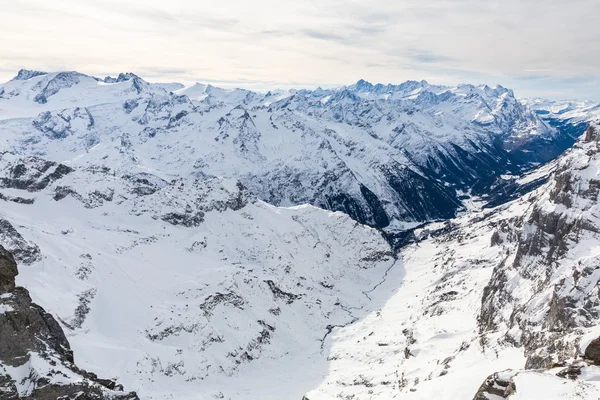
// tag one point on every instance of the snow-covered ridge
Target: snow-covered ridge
(574, 110)
(513, 288)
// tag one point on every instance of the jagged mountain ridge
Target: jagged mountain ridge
(384, 154)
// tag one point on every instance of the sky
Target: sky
(540, 48)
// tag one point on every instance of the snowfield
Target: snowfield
(173, 310)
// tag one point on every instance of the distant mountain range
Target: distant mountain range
(387, 155)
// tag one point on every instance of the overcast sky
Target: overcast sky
(548, 48)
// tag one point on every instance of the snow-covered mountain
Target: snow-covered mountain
(140, 217)
(511, 288)
(385, 155)
(570, 117)
(573, 110)
(196, 289)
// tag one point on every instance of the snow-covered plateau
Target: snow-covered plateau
(202, 243)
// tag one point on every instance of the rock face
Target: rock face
(562, 216)
(591, 133)
(36, 361)
(29, 173)
(545, 295)
(8, 271)
(24, 251)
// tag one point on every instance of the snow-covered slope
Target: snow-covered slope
(196, 289)
(385, 155)
(181, 288)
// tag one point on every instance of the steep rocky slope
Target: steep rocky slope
(514, 288)
(545, 296)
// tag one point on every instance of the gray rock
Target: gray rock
(496, 386)
(8, 271)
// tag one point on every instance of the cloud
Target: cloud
(324, 35)
(309, 42)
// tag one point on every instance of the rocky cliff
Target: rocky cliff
(544, 297)
(36, 360)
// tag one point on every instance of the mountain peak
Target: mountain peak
(25, 74)
(126, 76)
(122, 77)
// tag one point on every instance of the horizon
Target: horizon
(258, 89)
(543, 51)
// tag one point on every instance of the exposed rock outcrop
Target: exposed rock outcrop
(566, 377)
(29, 173)
(497, 386)
(23, 250)
(544, 295)
(591, 133)
(592, 351)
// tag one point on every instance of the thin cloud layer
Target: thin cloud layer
(540, 48)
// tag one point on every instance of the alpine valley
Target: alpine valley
(409, 241)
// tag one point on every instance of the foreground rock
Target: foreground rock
(36, 361)
(573, 380)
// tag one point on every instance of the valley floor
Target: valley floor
(422, 341)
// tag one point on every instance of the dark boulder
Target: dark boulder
(592, 352)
